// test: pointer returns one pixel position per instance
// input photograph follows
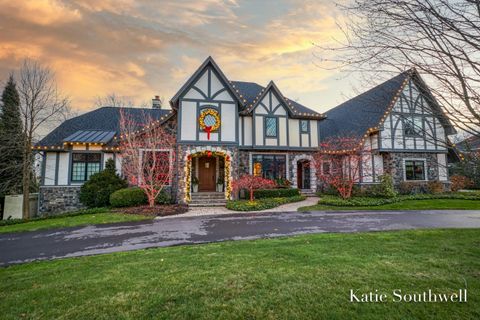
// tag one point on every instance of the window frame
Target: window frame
(307, 130)
(417, 131)
(275, 164)
(85, 173)
(425, 169)
(266, 130)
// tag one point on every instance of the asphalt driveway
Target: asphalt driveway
(79, 241)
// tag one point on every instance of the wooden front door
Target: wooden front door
(206, 173)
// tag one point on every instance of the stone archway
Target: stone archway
(207, 151)
(302, 158)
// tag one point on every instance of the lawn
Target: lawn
(303, 277)
(100, 216)
(430, 204)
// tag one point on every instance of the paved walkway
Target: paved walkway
(210, 211)
(80, 241)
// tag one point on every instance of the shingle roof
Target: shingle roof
(469, 144)
(354, 117)
(250, 90)
(101, 119)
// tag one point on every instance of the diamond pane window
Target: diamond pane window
(271, 127)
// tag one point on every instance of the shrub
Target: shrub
(164, 198)
(408, 187)
(434, 187)
(128, 197)
(261, 204)
(275, 193)
(385, 189)
(460, 182)
(97, 190)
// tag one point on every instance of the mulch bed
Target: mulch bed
(158, 210)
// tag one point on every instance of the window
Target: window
(271, 127)
(414, 170)
(326, 168)
(413, 126)
(84, 165)
(304, 126)
(270, 166)
(156, 166)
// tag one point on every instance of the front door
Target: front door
(206, 173)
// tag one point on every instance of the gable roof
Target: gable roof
(254, 93)
(105, 119)
(208, 62)
(366, 112)
(469, 144)
(356, 116)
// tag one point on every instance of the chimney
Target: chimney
(156, 103)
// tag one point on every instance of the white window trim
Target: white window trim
(425, 168)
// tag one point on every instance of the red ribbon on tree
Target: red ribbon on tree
(208, 129)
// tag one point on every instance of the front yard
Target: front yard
(86, 217)
(303, 277)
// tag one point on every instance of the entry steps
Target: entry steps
(207, 199)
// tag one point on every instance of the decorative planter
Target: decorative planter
(195, 187)
(220, 187)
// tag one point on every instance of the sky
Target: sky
(138, 49)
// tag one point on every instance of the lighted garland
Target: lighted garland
(188, 172)
(214, 114)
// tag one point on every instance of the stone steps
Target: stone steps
(307, 193)
(207, 199)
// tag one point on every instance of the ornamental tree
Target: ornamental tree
(147, 149)
(339, 163)
(252, 183)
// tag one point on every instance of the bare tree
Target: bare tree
(41, 105)
(113, 100)
(440, 38)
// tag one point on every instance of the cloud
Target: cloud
(144, 48)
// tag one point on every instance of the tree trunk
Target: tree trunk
(26, 182)
(251, 194)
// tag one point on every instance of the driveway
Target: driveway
(80, 241)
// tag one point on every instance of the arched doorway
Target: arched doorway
(303, 174)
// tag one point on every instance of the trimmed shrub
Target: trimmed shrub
(385, 189)
(164, 198)
(128, 197)
(261, 204)
(275, 193)
(97, 190)
(368, 201)
(434, 187)
(460, 182)
(408, 187)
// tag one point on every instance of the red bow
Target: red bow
(208, 129)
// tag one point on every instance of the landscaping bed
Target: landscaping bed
(302, 277)
(261, 204)
(158, 210)
(400, 202)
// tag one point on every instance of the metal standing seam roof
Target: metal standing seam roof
(90, 136)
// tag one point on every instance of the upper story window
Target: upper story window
(414, 170)
(413, 126)
(84, 165)
(271, 126)
(304, 126)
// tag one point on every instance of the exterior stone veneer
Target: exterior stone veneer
(58, 199)
(182, 157)
(293, 158)
(393, 164)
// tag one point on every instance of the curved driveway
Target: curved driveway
(79, 241)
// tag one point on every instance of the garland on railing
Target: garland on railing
(208, 153)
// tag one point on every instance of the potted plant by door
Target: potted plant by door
(195, 184)
(220, 184)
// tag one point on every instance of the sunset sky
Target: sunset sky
(144, 48)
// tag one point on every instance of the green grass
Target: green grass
(303, 277)
(430, 204)
(71, 221)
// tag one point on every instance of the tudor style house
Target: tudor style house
(225, 129)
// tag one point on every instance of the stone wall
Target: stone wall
(58, 199)
(393, 164)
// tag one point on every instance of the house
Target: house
(225, 129)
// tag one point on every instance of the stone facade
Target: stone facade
(393, 164)
(58, 199)
(184, 151)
